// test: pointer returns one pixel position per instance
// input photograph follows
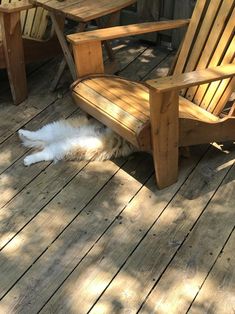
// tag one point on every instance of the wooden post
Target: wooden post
(164, 118)
(14, 55)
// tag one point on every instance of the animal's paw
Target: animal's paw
(27, 161)
(26, 135)
(21, 134)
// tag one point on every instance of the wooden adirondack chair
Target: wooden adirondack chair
(24, 38)
(154, 116)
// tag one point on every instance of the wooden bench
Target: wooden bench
(151, 115)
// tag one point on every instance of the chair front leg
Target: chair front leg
(14, 55)
(164, 117)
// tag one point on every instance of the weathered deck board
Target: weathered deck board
(77, 236)
(116, 245)
(217, 293)
(144, 64)
(14, 117)
(195, 258)
(61, 211)
(137, 277)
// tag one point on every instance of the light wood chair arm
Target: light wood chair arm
(185, 80)
(124, 31)
(15, 6)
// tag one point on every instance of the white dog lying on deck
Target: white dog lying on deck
(80, 138)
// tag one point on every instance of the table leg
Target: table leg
(63, 63)
(64, 46)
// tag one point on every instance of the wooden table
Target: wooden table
(82, 11)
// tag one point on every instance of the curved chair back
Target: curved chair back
(209, 42)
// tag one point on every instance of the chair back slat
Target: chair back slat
(216, 89)
(28, 23)
(221, 96)
(34, 21)
(191, 34)
(222, 55)
(39, 24)
(209, 42)
(207, 51)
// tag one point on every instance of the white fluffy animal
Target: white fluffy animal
(80, 138)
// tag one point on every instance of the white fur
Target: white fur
(80, 138)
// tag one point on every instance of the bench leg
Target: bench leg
(164, 119)
(14, 55)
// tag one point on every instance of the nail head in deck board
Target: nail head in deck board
(134, 281)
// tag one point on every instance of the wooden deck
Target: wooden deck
(98, 237)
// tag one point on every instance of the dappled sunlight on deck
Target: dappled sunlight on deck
(99, 237)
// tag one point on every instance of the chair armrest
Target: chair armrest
(124, 31)
(185, 80)
(15, 6)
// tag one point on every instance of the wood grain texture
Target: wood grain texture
(88, 58)
(138, 275)
(164, 119)
(216, 293)
(216, 52)
(184, 80)
(14, 55)
(122, 184)
(13, 118)
(107, 256)
(124, 31)
(212, 43)
(15, 6)
(194, 132)
(84, 11)
(184, 277)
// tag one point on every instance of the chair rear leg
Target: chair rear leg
(165, 136)
(14, 55)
